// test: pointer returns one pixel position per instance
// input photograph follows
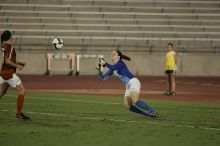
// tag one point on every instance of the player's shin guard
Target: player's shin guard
(144, 106)
(20, 101)
(134, 109)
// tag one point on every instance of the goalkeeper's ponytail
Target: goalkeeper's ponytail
(123, 56)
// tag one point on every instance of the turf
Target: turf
(65, 119)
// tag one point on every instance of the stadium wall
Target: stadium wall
(142, 64)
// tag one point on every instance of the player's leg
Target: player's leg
(140, 103)
(4, 76)
(20, 99)
(128, 104)
(3, 89)
(173, 85)
(168, 83)
(3, 86)
(15, 82)
(134, 94)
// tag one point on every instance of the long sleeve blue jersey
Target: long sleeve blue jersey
(119, 70)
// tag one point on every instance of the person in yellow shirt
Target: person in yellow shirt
(170, 70)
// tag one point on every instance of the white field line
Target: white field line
(72, 100)
(120, 120)
(191, 109)
(113, 103)
(116, 92)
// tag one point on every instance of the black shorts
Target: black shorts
(170, 72)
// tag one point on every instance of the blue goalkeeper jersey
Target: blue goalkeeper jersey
(119, 70)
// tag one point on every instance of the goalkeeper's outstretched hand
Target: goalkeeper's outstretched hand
(102, 61)
(100, 64)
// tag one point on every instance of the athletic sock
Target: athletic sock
(144, 106)
(134, 109)
(20, 101)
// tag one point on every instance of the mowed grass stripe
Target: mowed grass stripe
(113, 103)
(118, 120)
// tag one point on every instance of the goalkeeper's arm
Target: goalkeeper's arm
(106, 75)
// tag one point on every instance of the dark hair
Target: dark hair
(170, 44)
(6, 35)
(122, 56)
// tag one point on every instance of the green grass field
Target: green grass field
(66, 119)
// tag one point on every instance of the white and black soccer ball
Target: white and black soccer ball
(57, 43)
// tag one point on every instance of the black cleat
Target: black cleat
(22, 117)
(167, 92)
(153, 114)
(173, 93)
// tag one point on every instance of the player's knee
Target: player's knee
(126, 106)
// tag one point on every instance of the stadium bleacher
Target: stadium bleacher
(193, 26)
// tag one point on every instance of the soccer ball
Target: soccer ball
(57, 43)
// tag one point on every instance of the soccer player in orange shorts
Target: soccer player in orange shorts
(8, 74)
